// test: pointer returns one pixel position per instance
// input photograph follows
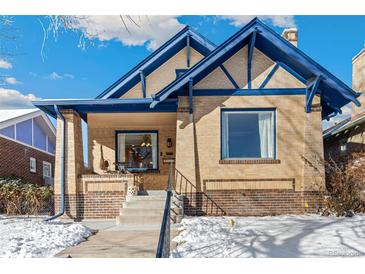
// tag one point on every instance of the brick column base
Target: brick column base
(99, 205)
(252, 202)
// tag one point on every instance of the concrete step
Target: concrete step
(139, 220)
(144, 204)
(128, 211)
(146, 198)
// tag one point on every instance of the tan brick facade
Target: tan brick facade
(291, 183)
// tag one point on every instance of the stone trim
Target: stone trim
(267, 184)
(248, 161)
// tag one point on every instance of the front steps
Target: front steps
(147, 209)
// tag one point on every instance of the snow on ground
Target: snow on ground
(32, 237)
(272, 236)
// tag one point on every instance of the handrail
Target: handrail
(193, 189)
(163, 248)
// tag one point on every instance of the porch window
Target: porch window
(248, 134)
(138, 150)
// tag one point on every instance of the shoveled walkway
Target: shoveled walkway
(119, 242)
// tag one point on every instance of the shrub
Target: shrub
(345, 184)
(20, 197)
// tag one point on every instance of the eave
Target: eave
(84, 106)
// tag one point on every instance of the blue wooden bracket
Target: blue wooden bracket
(251, 47)
(143, 83)
(269, 76)
(312, 89)
(188, 50)
(229, 76)
(190, 95)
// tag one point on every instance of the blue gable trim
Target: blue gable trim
(158, 57)
(334, 92)
(248, 92)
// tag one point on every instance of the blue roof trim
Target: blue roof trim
(248, 92)
(83, 106)
(158, 57)
(333, 91)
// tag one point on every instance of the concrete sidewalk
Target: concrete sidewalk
(119, 242)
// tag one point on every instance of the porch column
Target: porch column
(313, 159)
(185, 145)
(74, 165)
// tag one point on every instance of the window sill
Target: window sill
(250, 161)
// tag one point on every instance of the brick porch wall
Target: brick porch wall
(252, 202)
(98, 205)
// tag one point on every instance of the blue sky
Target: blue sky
(68, 71)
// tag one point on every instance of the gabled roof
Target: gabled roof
(10, 117)
(344, 126)
(8, 114)
(158, 57)
(334, 92)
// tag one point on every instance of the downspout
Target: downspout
(62, 163)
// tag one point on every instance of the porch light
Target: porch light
(169, 142)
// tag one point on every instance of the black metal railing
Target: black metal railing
(196, 202)
(163, 248)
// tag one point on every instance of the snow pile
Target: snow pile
(272, 236)
(31, 237)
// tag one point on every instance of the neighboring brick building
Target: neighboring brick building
(243, 122)
(27, 144)
(348, 136)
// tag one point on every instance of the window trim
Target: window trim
(50, 169)
(138, 131)
(223, 110)
(30, 165)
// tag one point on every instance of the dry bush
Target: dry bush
(345, 183)
(19, 197)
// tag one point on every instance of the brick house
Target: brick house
(27, 145)
(242, 122)
(347, 136)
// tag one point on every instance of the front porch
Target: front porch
(124, 150)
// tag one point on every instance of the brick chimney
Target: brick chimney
(291, 34)
(358, 81)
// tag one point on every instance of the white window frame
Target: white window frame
(32, 165)
(50, 170)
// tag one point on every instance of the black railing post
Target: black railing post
(163, 248)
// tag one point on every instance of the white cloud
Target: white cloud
(283, 21)
(54, 76)
(57, 76)
(11, 98)
(129, 30)
(68, 75)
(5, 64)
(11, 80)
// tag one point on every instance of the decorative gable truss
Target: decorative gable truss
(256, 60)
(155, 72)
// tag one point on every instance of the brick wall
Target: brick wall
(97, 205)
(252, 202)
(14, 160)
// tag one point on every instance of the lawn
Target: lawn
(25, 237)
(275, 236)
